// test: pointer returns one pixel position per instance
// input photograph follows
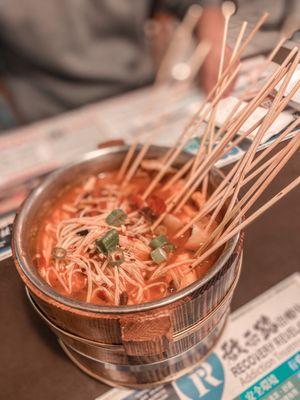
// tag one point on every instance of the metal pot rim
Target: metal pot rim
(40, 284)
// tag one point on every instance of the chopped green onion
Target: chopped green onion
(158, 255)
(159, 241)
(116, 217)
(59, 253)
(109, 242)
(116, 258)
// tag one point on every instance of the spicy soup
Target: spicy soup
(97, 243)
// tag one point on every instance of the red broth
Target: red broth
(70, 260)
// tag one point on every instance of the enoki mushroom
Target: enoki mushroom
(97, 246)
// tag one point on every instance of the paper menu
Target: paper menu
(6, 236)
(43, 146)
(294, 80)
(227, 105)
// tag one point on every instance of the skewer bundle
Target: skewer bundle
(215, 143)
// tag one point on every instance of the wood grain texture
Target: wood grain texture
(147, 336)
(147, 375)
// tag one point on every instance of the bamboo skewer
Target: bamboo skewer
(194, 172)
(211, 127)
(206, 167)
(251, 176)
(136, 163)
(213, 201)
(177, 152)
(185, 29)
(224, 127)
(259, 99)
(281, 71)
(245, 167)
(244, 171)
(278, 97)
(203, 107)
(188, 24)
(197, 58)
(284, 36)
(246, 160)
(266, 151)
(195, 62)
(264, 66)
(211, 205)
(229, 120)
(127, 160)
(244, 45)
(178, 175)
(270, 172)
(238, 40)
(264, 181)
(264, 95)
(220, 192)
(225, 140)
(145, 147)
(228, 9)
(201, 151)
(247, 133)
(218, 150)
(239, 52)
(269, 118)
(260, 185)
(234, 59)
(247, 221)
(179, 93)
(187, 134)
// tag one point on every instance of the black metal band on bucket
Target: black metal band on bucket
(145, 376)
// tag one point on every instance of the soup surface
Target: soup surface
(97, 243)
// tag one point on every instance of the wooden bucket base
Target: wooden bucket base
(148, 375)
(108, 364)
(115, 354)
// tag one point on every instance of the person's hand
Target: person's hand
(211, 28)
(208, 75)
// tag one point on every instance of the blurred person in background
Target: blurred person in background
(61, 54)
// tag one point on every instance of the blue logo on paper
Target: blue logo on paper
(205, 383)
(192, 145)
